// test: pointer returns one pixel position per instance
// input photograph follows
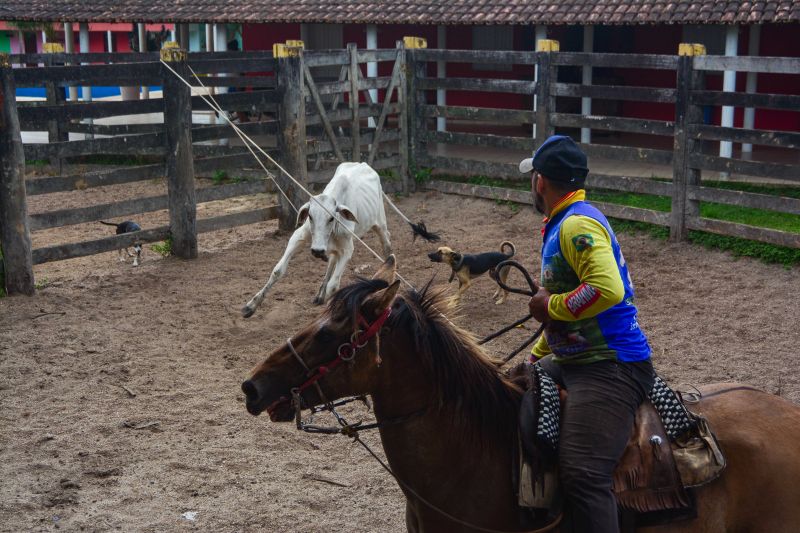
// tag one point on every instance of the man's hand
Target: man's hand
(538, 305)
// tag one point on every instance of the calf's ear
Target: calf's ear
(346, 214)
(302, 214)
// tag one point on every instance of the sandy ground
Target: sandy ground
(120, 406)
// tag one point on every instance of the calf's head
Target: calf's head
(323, 214)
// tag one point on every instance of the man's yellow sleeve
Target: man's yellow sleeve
(586, 246)
(540, 349)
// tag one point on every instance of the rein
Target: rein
(533, 289)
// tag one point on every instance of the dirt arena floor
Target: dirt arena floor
(120, 407)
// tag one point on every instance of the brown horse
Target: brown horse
(453, 418)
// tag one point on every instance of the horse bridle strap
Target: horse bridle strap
(346, 351)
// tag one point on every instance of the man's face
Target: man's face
(538, 201)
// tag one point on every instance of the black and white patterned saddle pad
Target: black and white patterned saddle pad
(675, 417)
(673, 414)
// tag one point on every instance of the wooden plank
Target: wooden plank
(637, 61)
(402, 119)
(481, 113)
(234, 81)
(492, 57)
(780, 204)
(784, 139)
(768, 101)
(234, 65)
(80, 215)
(319, 146)
(333, 87)
(78, 110)
(771, 65)
(322, 112)
(113, 129)
(472, 167)
(376, 56)
(478, 84)
(546, 75)
(205, 225)
(631, 125)
(291, 140)
(385, 110)
(355, 154)
(241, 101)
(225, 131)
(149, 73)
(748, 168)
(92, 57)
(116, 176)
(744, 231)
(660, 218)
(477, 139)
(628, 184)
(325, 58)
(342, 115)
(628, 153)
(145, 144)
(614, 92)
(108, 244)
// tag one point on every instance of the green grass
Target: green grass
(164, 248)
(768, 253)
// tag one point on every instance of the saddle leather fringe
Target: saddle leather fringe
(648, 500)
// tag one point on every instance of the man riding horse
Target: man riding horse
(592, 343)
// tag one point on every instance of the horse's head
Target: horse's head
(337, 353)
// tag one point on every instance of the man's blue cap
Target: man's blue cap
(558, 159)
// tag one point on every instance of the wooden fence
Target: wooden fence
(309, 124)
(553, 110)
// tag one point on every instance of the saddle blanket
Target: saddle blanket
(669, 406)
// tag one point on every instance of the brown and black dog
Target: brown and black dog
(468, 266)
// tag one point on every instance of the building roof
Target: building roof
(552, 12)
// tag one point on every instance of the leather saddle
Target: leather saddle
(647, 482)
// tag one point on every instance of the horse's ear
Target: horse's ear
(380, 300)
(387, 270)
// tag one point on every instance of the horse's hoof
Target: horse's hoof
(247, 312)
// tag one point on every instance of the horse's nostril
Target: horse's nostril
(250, 390)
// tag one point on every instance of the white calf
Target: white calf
(355, 196)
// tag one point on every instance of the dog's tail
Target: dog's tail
(419, 228)
(510, 245)
(109, 223)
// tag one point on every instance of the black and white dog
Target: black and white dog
(128, 226)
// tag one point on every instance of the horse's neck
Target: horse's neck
(430, 453)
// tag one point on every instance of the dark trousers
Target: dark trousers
(596, 424)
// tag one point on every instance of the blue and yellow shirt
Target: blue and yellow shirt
(592, 313)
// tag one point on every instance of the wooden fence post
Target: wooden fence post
(355, 126)
(417, 131)
(15, 236)
(402, 102)
(684, 145)
(55, 96)
(546, 103)
(180, 159)
(292, 135)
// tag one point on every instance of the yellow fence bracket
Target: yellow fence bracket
(171, 52)
(691, 49)
(415, 42)
(53, 48)
(547, 45)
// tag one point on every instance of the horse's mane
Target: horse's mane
(483, 402)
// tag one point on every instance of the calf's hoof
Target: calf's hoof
(247, 311)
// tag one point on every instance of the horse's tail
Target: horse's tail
(419, 228)
(508, 244)
(109, 223)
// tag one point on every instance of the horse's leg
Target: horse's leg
(412, 526)
(298, 238)
(338, 270)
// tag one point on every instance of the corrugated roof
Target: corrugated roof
(551, 12)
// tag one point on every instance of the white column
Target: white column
(586, 102)
(173, 35)
(752, 78)
(729, 85)
(539, 34)
(209, 37)
(84, 48)
(69, 47)
(221, 45)
(110, 41)
(441, 72)
(142, 31)
(372, 67)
